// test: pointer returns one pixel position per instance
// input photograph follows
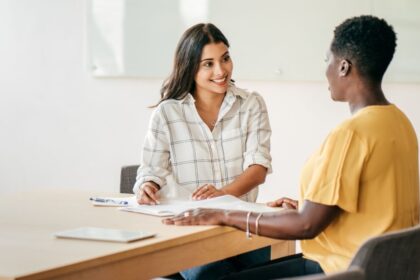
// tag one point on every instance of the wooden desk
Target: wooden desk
(28, 249)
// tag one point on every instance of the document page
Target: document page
(170, 207)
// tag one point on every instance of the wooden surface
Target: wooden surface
(28, 249)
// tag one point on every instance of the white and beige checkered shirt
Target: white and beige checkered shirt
(180, 144)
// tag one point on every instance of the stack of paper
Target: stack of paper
(172, 207)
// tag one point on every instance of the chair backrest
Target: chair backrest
(353, 273)
(128, 178)
(393, 255)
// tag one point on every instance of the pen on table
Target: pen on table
(107, 200)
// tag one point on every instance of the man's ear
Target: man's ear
(344, 68)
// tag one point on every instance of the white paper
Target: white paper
(170, 207)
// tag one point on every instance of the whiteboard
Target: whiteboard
(270, 39)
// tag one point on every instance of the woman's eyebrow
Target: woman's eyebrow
(226, 53)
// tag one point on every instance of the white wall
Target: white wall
(61, 128)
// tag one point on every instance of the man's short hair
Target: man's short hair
(367, 42)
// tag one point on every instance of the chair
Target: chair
(394, 255)
(353, 273)
(128, 178)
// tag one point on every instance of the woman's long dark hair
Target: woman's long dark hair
(187, 59)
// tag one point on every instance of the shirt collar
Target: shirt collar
(187, 99)
(233, 90)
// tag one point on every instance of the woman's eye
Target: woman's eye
(208, 64)
(226, 58)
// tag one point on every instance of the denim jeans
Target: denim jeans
(219, 269)
(295, 265)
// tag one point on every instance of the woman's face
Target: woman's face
(215, 69)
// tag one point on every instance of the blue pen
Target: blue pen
(107, 200)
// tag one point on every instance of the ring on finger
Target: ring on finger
(187, 214)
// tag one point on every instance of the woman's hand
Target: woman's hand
(148, 193)
(284, 202)
(198, 216)
(207, 191)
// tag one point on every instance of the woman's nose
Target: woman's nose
(219, 69)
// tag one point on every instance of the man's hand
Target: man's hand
(284, 202)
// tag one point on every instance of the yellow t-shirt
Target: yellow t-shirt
(367, 166)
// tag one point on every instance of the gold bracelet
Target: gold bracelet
(256, 223)
(248, 233)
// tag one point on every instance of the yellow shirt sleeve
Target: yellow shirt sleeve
(337, 168)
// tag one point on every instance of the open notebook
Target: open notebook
(170, 207)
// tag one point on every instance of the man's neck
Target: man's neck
(363, 95)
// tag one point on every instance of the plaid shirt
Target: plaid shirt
(180, 144)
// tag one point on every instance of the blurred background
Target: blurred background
(77, 77)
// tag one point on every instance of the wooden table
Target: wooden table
(28, 249)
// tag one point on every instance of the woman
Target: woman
(364, 179)
(213, 137)
(210, 136)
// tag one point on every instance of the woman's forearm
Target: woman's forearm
(249, 179)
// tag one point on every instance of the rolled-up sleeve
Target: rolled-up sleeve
(154, 163)
(259, 133)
